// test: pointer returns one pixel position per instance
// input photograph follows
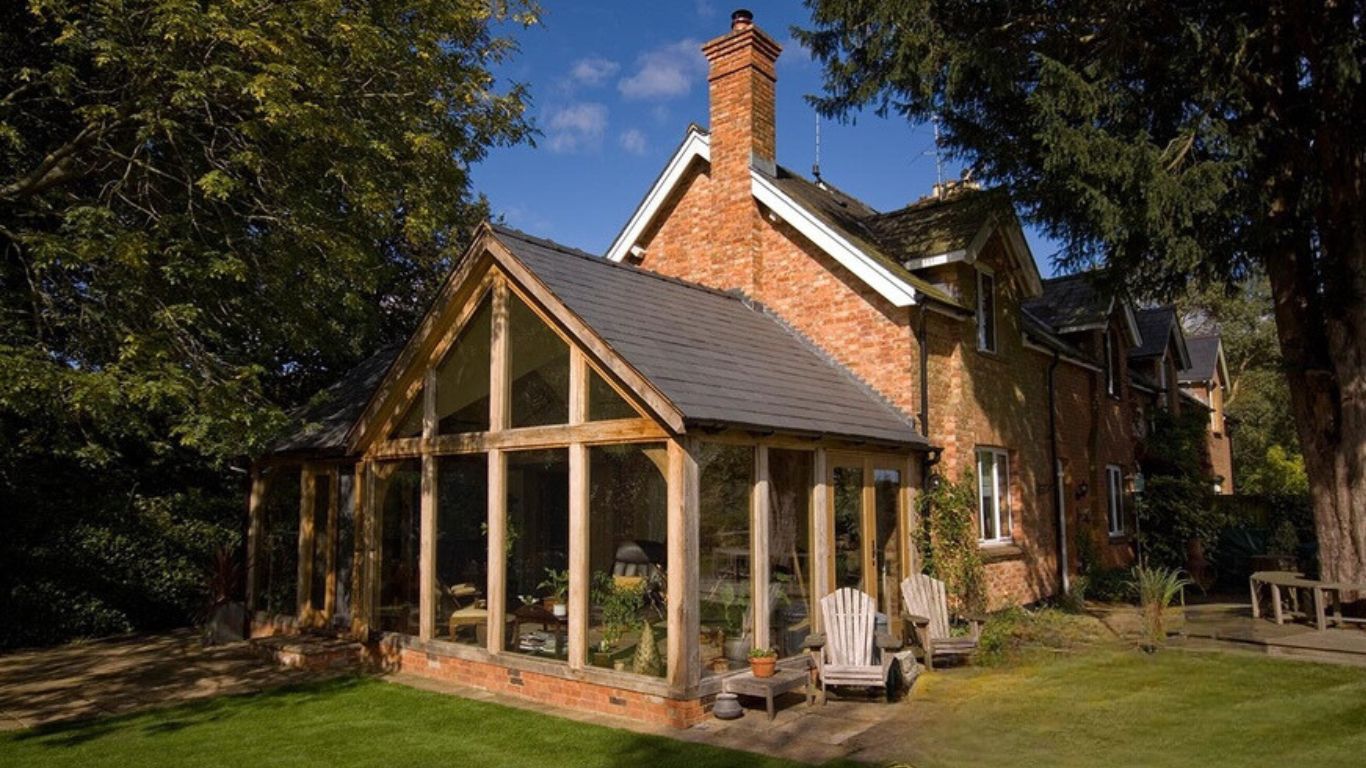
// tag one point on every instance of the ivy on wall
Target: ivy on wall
(948, 541)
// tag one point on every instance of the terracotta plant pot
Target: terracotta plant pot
(763, 666)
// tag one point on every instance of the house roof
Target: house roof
(720, 359)
(1204, 354)
(321, 424)
(1155, 325)
(935, 227)
(1072, 301)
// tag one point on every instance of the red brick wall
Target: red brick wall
(549, 689)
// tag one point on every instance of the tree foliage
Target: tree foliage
(1181, 144)
(207, 211)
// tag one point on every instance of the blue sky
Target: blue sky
(615, 85)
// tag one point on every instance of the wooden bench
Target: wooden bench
(1295, 582)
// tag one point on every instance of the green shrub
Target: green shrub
(1157, 587)
(1015, 631)
(1110, 585)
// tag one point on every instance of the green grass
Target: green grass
(353, 722)
(1118, 707)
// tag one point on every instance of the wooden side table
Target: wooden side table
(783, 681)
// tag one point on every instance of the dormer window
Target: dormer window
(986, 311)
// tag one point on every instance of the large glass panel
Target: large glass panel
(398, 497)
(411, 423)
(604, 402)
(540, 369)
(887, 512)
(462, 379)
(726, 480)
(628, 511)
(277, 556)
(346, 545)
(462, 553)
(538, 552)
(848, 544)
(789, 547)
(986, 481)
(322, 502)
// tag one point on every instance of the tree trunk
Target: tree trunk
(1322, 332)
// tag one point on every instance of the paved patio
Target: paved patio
(120, 675)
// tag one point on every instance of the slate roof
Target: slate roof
(1070, 302)
(719, 358)
(1155, 327)
(1204, 351)
(324, 421)
(1043, 335)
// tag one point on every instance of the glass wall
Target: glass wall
(887, 512)
(345, 545)
(277, 553)
(539, 361)
(411, 423)
(726, 479)
(628, 564)
(604, 402)
(462, 379)
(398, 497)
(322, 503)
(462, 562)
(848, 543)
(789, 549)
(538, 552)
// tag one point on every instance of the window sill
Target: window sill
(1119, 538)
(996, 551)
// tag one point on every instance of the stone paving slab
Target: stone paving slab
(119, 675)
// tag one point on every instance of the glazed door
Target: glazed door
(868, 529)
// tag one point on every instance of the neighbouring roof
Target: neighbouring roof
(719, 358)
(1071, 302)
(1204, 351)
(1155, 326)
(323, 422)
(1043, 335)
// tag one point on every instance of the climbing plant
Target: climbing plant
(948, 541)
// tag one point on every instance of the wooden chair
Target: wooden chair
(850, 651)
(927, 610)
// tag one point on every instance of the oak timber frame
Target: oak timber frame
(488, 270)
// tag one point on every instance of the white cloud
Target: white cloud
(666, 72)
(593, 71)
(577, 127)
(633, 141)
(705, 8)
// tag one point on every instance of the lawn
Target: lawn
(354, 722)
(1112, 706)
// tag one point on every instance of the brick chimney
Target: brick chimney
(741, 80)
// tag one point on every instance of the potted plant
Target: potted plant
(762, 661)
(733, 605)
(619, 605)
(557, 585)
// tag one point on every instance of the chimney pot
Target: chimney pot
(742, 19)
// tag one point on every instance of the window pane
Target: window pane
(411, 423)
(789, 564)
(398, 494)
(604, 402)
(346, 546)
(986, 479)
(462, 379)
(628, 511)
(540, 369)
(887, 504)
(849, 527)
(538, 552)
(462, 553)
(277, 557)
(726, 479)
(322, 500)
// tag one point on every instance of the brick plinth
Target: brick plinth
(556, 690)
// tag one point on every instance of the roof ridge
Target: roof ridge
(927, 203)
(806, 341)
(577, 253)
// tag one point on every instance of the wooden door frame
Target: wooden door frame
(868, 463)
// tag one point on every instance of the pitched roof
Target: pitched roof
(933, 227)
(1072, 301)
(322, 423)
(1155, 325)
(719, 358)
(1204, 359)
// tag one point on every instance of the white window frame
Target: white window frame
(1114, 499)
(1001, 512)
(985, 344)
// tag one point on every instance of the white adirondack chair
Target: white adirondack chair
(927, 609)
(850, 652)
